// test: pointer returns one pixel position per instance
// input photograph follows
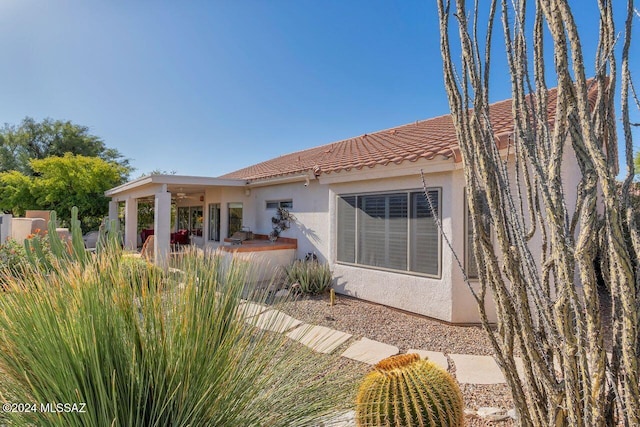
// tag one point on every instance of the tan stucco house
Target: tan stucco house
(359, 205)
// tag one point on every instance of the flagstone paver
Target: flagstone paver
(438, 358)
(319, 338)
(477, 369)
(369, 351)
(249, 309)
(274, 320)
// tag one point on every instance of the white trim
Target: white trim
(286, 179)
(389, 171)
(173, 180)
(408, 193)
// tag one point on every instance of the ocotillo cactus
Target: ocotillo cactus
(408, 391)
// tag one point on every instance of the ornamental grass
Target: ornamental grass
(147, 347)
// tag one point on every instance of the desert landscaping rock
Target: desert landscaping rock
(319, 338)
(274, 320)
(492, 414)
(406, 331)
(436, 357)
(477, 369)
(369, 351)
(512, 414)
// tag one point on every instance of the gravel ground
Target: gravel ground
(406, 331)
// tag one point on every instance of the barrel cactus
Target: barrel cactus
(406, 390)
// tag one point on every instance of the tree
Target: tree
(59, 184)
(38, 140)
(554, 324)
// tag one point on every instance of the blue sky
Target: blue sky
(208, 87)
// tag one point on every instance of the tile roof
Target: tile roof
(426, 139)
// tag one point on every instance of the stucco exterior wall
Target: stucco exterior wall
(464, 306)
(266, 266)
(416, 293)
(310, 207)
(23, 227)
(446, 297)
(314, 205)
(5, 227)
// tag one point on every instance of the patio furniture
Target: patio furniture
(180, 237)
(91, 240)
(147, 248)
(145, 233)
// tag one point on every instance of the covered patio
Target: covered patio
(190, 194)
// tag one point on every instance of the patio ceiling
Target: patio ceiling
(148, 186)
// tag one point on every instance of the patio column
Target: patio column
(113, 210)
(131, 224)
(162, 227)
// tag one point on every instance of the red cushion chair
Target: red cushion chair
(145, 233)
(181, 237)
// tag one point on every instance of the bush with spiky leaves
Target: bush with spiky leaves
(309, 277)
(178, 351)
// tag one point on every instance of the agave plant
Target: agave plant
(177, 351)
(309, 277)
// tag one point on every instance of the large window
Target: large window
(394, 231)
(190, 218)
(235, 218)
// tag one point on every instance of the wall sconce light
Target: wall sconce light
(202, 198)
(247, 192)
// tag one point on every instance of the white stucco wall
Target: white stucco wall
(464, 306)
(310, 207)
(416, 293)
(267, 266)
(5, 227)
(23, 227)
(314, 206)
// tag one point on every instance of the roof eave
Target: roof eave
(175, 180)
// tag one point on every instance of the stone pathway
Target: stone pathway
(319, 338)
(274, 320)
(469, 369)
(438, 358)
(369, 351)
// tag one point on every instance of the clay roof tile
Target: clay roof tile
(420, 139)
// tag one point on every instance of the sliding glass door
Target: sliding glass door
(214, 222)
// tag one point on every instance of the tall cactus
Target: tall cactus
(69, 250)
(405, 390)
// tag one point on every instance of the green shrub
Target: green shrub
(140, 273)
(14, 258)
(309, 277)
(168, 354)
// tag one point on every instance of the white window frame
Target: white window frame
(285, 203)
(410, 223)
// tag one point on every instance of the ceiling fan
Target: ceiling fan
(180, 195)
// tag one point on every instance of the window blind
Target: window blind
(393, 231)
